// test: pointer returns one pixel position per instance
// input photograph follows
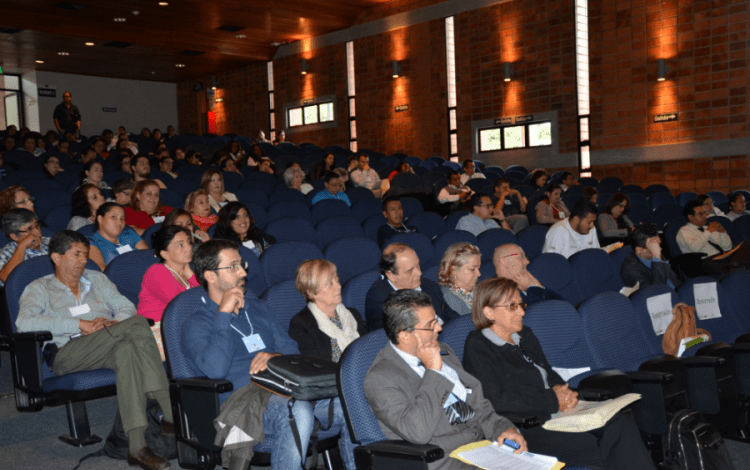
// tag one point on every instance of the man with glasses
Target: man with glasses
(510, 262)
(482, 216)
(334, 189)
(418, 389)
(711, 239)
(22, 228)
(233, 335)
(93, 327)
(365, 176)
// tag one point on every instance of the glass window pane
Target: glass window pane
(273, 121)
(326, 112)
(271, 105)
(352, 108)
(514, 137)
(453, 121)
(295, 117)
(311, 114)
(540, 134)
(10, 82)
(353, 146)
(454, 144)
(489, 139)
(352, 129)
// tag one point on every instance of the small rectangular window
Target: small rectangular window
(540, 134)
(514, 137)
(311, 114)
(326, 112)
(489, 140)
(295, 117)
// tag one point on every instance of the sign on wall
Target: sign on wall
(47, 92)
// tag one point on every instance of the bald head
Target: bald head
(509, 260)
(400, 265)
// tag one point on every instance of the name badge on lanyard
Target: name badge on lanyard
(121, 250)
(253, 342)
(78, 310)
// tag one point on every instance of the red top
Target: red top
(159, 286)
(139, 218)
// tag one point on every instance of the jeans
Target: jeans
(284, 454)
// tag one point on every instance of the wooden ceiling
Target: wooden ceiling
(149, 44)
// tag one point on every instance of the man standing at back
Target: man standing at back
(67, 116)
(576, 233)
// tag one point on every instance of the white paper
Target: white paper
(123, 249)
(496, 457)
(566, 374)
(660, 310)
(248, 244)
(685, 341)
(706, 301)
(158, 220)
(79, 310)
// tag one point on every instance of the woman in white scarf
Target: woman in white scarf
(325, 327)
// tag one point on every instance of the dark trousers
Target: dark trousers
(615, 446)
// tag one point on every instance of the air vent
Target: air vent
(229, 28)
(69, 6)
(118, 44)
(9, 30)
(190, 53)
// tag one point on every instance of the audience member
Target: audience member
(22, 228)
(470, 172)
(366, 177)
(170, 132)
(146, 208)
(112, 237)
(256, 153)
(51, 166)
(200, 210)
(385, 184)
(235, 152)
(737, 203)
(394, 220)
(334, 189)
(538, 180)
(212, 182)
(415, 383)
(93, 173)
(166, 163)
(156, 135)
(294, 178)
(260, 136)
(162, 282)
(708, 205)
(551, 209)
(142, 171)
(122, 191)
(567, 180)
(343, 174)
(123, 159)
(15, 197)
(232, 334)
(113, 337)
(589, 194)
(9, 143)
(99, 147)
(326, 165)
(280, 137)
(193, 157)
(228, 165)
(265, 165)
(29, 145)
(183, 218)
(85, 202)
(67, 116)
(575, 233)
(238, 225)
(512, 204)
(646, 265)
(613, 222)
(458, 275)
(454, 193)
(399, 269)
(481, 217)
(145, 133)
(507, 359)
(510, 262)
(711, 239)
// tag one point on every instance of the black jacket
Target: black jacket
(380, 290)
(311, 341)
(633, 270)
(510, 382)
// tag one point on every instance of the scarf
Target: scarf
(343, 336)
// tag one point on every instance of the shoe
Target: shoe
(167, 427)
(147, 460)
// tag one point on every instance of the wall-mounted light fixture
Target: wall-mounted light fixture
(305, 67)
(662, 70)
(507, 71)
(396, 69)
(214, 83)
(219, 100)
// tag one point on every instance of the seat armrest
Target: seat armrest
(32, 336)
(703, 361)
(204, 384)
(522, 420)
(4, 343)
(399, 448)
(743, 339)
(613, 381)
(650, 377)
(591, 394)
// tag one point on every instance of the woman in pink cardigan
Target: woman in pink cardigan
(163, 281)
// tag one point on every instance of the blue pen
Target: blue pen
(511, 444)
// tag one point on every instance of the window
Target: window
(310, 114)
(537, 134)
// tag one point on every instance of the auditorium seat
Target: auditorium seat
(290, 229)
(352, 256)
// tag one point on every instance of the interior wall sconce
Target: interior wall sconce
(662, 70)
(219, 100)
(396, 69)
(214, 83)
(305, 67)
(507, 71)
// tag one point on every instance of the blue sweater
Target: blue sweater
(217, 350)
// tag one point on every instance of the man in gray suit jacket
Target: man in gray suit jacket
(418, 389)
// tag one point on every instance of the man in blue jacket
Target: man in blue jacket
(233, 335)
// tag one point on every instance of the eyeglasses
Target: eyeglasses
(36, 226)
(24, 201)
(513, 306)
(234, 268)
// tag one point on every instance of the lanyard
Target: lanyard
(248, 322)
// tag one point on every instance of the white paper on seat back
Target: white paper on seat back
(566, 374)
(706, 301)
(660, 310)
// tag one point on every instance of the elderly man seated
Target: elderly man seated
(483, 216)
(646, 265)
(22, 228)
(419, 391)
(510, 262)
(94, 327)
(399, 269)
(365, 176)
(576, 233)
(334, 189)
(711, 239)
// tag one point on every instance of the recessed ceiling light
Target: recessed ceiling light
(39, 61)
(120, 20)
(179, 66)
(63, 53)
(241, 36)
(163, 4)
(89, 43)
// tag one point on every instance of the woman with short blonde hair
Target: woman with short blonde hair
(458, 274)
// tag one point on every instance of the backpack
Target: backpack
(693, 444)
(116, 445)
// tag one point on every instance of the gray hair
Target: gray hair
(14, 219)
(399, 311)
(289, 175)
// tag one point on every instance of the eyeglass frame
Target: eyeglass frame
(514, 306)
(244, 265)
(38, 226)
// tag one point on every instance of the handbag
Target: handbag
(681, 326)
(299, 377)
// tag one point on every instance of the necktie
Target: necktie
(715, 245)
